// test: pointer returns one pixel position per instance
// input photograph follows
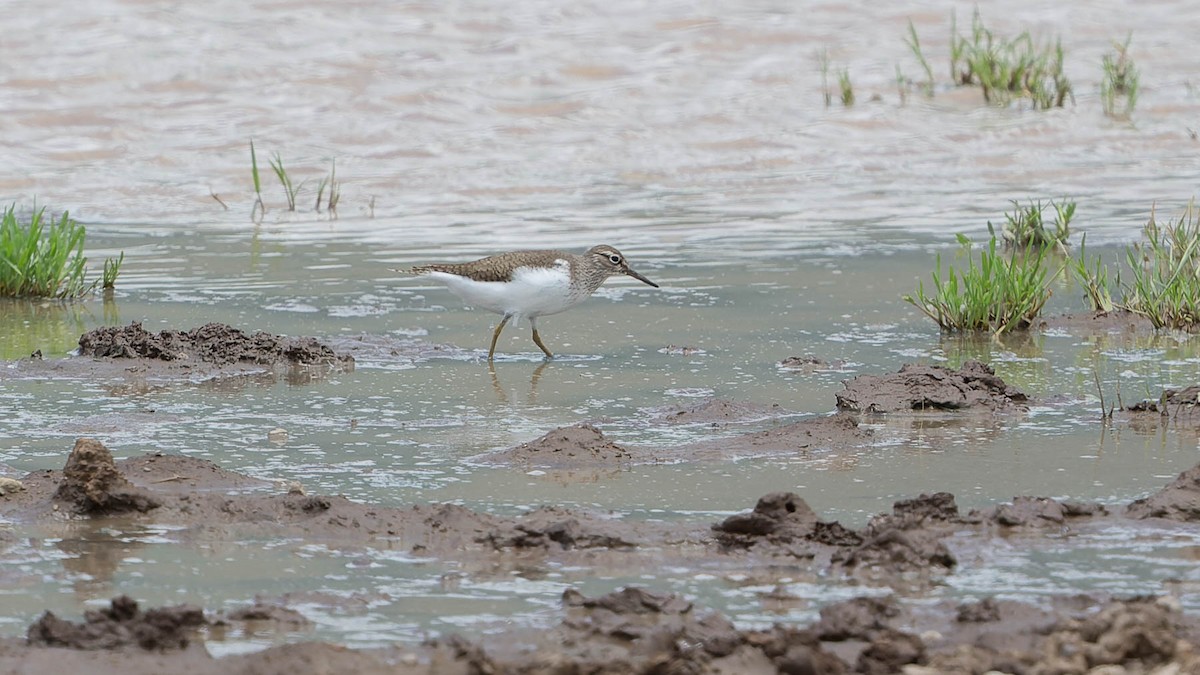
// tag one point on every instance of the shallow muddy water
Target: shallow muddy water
(694, 139)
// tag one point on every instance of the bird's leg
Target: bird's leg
(496, 336)
(537, 339)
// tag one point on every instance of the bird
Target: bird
(530, 284)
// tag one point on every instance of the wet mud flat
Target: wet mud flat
(895, 557)
(208, 352)
(915, 546)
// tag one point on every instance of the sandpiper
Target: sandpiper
(530, 284)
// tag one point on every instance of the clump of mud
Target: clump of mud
(1137, 635)
(581, 451)
(717, 412)
(639, 630)
(1179, 500)
(122, 624)
(631, 630)
(910, 539)
(925, 387)
(838, 432)
(779, 517)
(92, 485)
(213, 343)
(1039, 512)
(266, 613)
(573, 447)
(1172, 402)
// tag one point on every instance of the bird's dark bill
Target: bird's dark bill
(640, 278)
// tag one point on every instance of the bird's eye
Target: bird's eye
(614, 259)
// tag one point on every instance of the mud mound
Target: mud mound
(638, 630)
(169, 480)
(630, 600)
(277, 615)
(212, 343)
(557, 528)
(924, 387)
(810, 364)
(1038, 512)
(578, 446)
(122, 624)
(907, 540)
(635, 630)
(718, 412)
(856, 619)
(886, 552)
(1179, 500)
(983, 611)
(582, 451)
(779, 517)
(794, 651)
(937, 506)
(1173, 402)
(92, 484)
(832, 432)
(10, 486)
(1136, 636)
(1117, 322)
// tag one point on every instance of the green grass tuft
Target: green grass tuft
(285, 181)
(259, 209)
(999, 294)
(846, 88)
(1165, 270)
(914, 43)
(823, 63)
(1009, 69)
(1093, 277)
(44, 259)
(1120, 81)
(1165, 274)
(334, 188)
(112, 270)
(1024, 226)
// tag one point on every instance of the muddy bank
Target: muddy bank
(638, 630)
(916, 546)
(924, 387)
(584, 449)
(1117, 322)
(718, 413)
(214, 350)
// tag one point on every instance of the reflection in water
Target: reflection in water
(51, 326)
(94, 555)
(112, 313)
(502, 396)
(1017, 357)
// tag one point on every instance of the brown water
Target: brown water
(695, 138)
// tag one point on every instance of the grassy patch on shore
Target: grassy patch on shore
(1004, 290)
(43, 258)
(999, 293)
(1165, 272)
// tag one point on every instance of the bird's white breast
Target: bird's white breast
(532, 292)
